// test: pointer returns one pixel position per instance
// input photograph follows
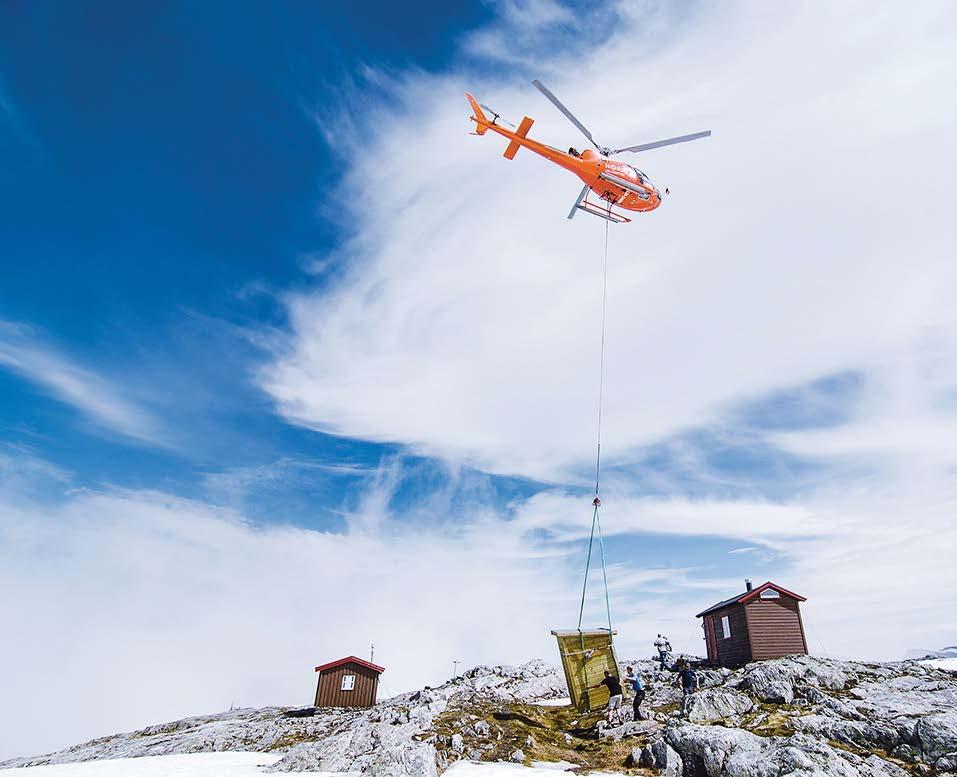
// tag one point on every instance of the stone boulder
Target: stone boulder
(630, 729)
(867, 735)
(717, 751)
(775, 681)
(661, 756)
(937, 735)
(714, 704)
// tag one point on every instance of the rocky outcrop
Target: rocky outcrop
(387, 740)
(781, 681)
(717, 751)
(714, 704)
(797, 716)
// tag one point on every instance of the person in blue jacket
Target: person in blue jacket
(633, 681)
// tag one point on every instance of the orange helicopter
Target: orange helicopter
(616, 183)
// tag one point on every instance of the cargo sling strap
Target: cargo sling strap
(596, 502)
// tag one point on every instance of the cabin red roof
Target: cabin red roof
(351, 660)
(747, 596)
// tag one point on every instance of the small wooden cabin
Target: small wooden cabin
(585, 657)
(761, 623)
(348, 682)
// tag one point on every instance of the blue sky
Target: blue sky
(160, 169)
(274, 326)
(165, 169)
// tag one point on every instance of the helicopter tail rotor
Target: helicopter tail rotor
(480, 119)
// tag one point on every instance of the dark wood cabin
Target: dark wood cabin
(348, 682)
(761, 623)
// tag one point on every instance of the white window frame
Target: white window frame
(769, 593)
(348, 682)
(726, 626)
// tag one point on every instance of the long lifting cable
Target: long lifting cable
(596, 502)
(601, 358)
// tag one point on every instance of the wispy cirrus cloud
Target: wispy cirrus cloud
(100, 400)
(463, 321)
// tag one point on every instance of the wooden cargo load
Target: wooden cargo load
(585, 657)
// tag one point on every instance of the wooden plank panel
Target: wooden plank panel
(776, 628)
(583, 670)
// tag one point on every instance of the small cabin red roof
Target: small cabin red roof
(351, 660)
(749, 595)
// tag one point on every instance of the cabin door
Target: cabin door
(710, 637)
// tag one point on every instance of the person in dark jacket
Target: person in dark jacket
(688, 678)
(615, 696)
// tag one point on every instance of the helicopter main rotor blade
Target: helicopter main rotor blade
(568, 114)
(668, 142)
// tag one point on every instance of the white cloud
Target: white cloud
(808, 236)
(130, 608)
(96, 397)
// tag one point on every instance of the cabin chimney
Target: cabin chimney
(747, 584)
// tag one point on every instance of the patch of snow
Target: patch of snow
(225, 764)
(949, 664)
(555, 766)
(565, 702)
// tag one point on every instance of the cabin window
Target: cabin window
(348, 682)
(770, 593)
(726, 626)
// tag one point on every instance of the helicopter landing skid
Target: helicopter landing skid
(604, 212)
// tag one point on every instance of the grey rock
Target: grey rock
(882, 735)
(631, 729)
(718, 751)
(707, 749)
(906, 753)
(665, 759)
(937, 735)
(774, 681)
(717, 704)
(637, 757)
(946, 763)
(809, 694)
(457, 743)
(517, 757)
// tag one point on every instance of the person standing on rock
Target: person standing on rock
(633, 681)
(615, 696)
(690, 681)
(663, 646)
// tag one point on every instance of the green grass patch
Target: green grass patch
(541, 733)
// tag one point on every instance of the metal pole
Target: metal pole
(455, 668)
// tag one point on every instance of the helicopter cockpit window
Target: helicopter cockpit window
(641, 176)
